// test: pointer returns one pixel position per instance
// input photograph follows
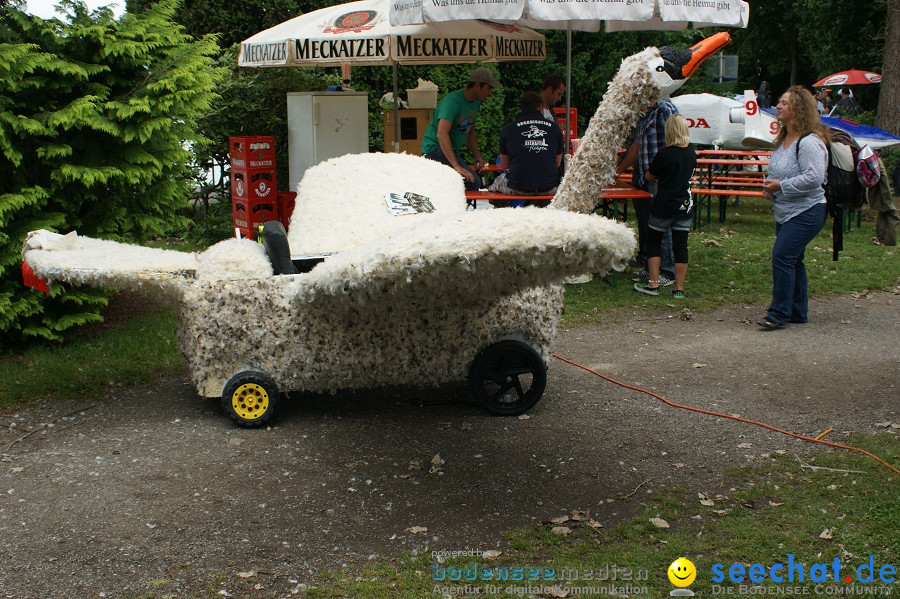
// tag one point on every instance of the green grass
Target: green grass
(136, 344)
(731, 262)
(772, 510)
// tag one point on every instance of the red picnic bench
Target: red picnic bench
(720, 173)
(612, 196)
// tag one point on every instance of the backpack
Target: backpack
(867, 170)
(842, 186)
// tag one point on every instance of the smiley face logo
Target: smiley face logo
(682, 572)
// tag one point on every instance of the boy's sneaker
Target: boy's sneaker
(642, 273)
(643, 288)
(665, 281)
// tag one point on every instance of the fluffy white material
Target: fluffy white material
(593, 166)
(483, 253)
(340, 202)
(233, 259)
(399, 340)
(412, 308)
(81, 260)
(101, 263)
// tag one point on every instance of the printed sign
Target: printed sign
(407, 203)
(357, 22)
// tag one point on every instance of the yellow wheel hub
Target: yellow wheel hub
(250, 401)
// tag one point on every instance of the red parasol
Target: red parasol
(851, 77)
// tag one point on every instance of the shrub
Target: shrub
(96, 117)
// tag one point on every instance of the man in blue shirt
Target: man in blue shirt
(649, 138)
(531, 149)
(454, 123)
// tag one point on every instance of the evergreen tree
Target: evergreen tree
(96, 115)
(233, 22)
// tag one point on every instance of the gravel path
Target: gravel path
(151, 490)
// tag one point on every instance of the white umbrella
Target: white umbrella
(584, 16)
(676, 20)
(359, 33)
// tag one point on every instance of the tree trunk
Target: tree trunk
(795, 54)
(888, 117)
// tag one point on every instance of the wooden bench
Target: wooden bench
(724, 194)
(471, 196)
(736, 181)
(612, 197)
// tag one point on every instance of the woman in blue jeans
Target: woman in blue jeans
(794, 184)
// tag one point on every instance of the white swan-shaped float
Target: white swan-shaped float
(419, 299)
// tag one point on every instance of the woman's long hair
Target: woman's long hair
(806, 116)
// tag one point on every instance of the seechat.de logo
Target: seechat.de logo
(794, 571)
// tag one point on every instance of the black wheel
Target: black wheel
(250, 398)
(508, 377)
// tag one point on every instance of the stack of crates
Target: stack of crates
(286, 202)
(254, 195)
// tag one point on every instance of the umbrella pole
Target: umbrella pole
(395, 146)
(568, 87)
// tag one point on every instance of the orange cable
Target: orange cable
(720, 415)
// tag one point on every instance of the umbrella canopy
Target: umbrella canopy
(581, 16)
(851, 77)
(670, 21)
(359, 33)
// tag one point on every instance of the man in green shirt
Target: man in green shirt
(454, 122)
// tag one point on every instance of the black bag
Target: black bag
(842, 187)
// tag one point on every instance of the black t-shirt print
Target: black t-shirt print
(532, 144)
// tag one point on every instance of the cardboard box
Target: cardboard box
(413, 124)
(421, 98)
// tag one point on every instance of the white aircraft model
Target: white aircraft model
(733, 124)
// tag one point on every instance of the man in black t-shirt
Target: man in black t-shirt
(847, 106)
(531, 150)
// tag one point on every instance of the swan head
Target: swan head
(673, 66)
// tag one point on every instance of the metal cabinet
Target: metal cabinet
(323, 125)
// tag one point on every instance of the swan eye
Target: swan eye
(661, 68)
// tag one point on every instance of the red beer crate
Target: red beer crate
(253, 184)
(257, 151)
(286, 201)
(248, 215)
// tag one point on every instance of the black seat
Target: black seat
(274, 240)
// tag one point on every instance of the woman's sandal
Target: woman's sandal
(678, 293)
